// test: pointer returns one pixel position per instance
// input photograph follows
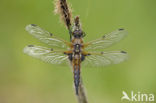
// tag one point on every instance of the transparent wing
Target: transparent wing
(107, 40)
(104, 58)
(46, 36)
(46, 54)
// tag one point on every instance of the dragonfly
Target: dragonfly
(75, 52)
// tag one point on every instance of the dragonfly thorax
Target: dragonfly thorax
(77, 48)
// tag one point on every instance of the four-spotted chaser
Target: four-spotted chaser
(76, 52)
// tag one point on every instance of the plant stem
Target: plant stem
(81, 97)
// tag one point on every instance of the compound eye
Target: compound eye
(77, 36)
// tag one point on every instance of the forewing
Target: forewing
(46, 36)
(46, 54)
(104, 58)
(107, 40)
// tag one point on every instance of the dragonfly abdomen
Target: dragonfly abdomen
(76, 77)
(76, 70)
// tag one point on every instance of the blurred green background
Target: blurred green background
(24, 79)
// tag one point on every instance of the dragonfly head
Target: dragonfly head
(77, 31)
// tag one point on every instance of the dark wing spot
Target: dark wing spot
(104, 36)
(51, 34)
(88, 54)
(30, 45)
(51, 49)
(33, 25)
(121, 29)
(123, 52)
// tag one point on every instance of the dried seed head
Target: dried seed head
(63, 9)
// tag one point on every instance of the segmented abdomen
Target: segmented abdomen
(76, 71)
